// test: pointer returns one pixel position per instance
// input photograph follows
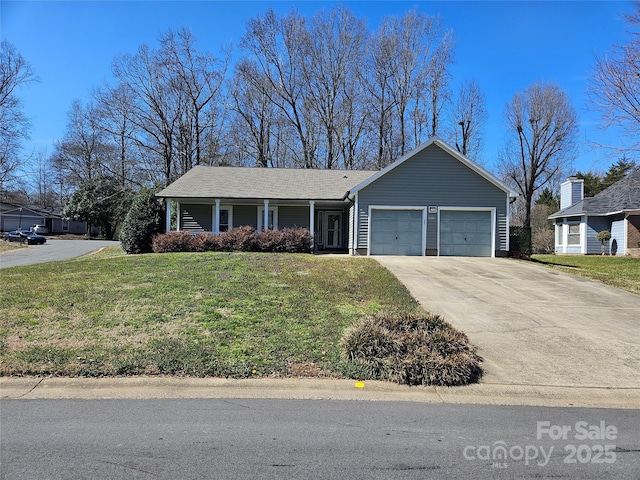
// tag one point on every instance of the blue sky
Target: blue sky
(505, 46)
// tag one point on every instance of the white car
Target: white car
(39, 229)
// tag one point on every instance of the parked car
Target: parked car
(24, 236)
(39, 229)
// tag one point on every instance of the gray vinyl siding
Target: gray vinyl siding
(595, 225)
(293, 217)
(618, 242)
(245, 215)
(196, 217)
(433, 178)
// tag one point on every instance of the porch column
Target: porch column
(312, 209)
(167, 215)
(265, 220)
(216, 221)
(178, 219)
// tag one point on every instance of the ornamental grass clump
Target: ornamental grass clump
(410, 350)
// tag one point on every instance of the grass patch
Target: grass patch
(410, 349)
(10, 246)
(198, 314)
(619, 272)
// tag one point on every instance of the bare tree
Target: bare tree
(468, 117)
(615, 84)
(171, 93)
(14, 125)
(541, 128)
(83, 152)
(199, 77)
(332, 62)
(277, 46)
(438, 80)
(409, 59)
(155, 110)
(378, 84)
(255, 115)
(113, 105)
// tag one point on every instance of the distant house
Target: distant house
(616, 209)
(14, 216)
(432, 201)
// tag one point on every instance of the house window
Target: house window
(574, 234)
(224, 220)
(559, 234)
(65, 226)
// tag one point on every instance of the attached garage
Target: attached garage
(397, 231)
(466, 233)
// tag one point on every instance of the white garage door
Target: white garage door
(465, 233)
(396, 232)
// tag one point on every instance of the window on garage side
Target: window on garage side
(574, 234)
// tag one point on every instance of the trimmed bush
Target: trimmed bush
(242, 239)
(411, 350)
(173, 242)
(142, 223)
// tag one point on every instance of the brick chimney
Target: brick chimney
(571, 191)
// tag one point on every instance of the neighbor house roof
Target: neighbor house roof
(622, 196)
(36, 210)
(265, 183)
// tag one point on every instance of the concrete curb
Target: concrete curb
(28, 388)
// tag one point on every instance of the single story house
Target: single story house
(14, 216)
(432, 201)
(616, 209)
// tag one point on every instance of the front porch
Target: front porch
(328, 218)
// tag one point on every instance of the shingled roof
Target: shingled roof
(622, 196)
(265, 183)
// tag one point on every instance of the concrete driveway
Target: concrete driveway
(53, 250)
(532, 325)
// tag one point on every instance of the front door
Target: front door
(332, 229)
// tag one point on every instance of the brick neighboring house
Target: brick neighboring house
(14, 216)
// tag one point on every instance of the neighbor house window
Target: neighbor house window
(559, 234)
(65, 226)
(574, 234)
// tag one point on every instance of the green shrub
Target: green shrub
(409, 349)
(520, 242)
(142, 223)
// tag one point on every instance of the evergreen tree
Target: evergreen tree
(101, 202)
(142, 223)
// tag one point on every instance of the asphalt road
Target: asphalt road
(307, 439)
(51, 251)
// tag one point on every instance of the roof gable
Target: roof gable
(448, 149)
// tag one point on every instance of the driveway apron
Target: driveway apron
(532, 325)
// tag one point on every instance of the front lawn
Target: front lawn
(201, 314)
(620, 272)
